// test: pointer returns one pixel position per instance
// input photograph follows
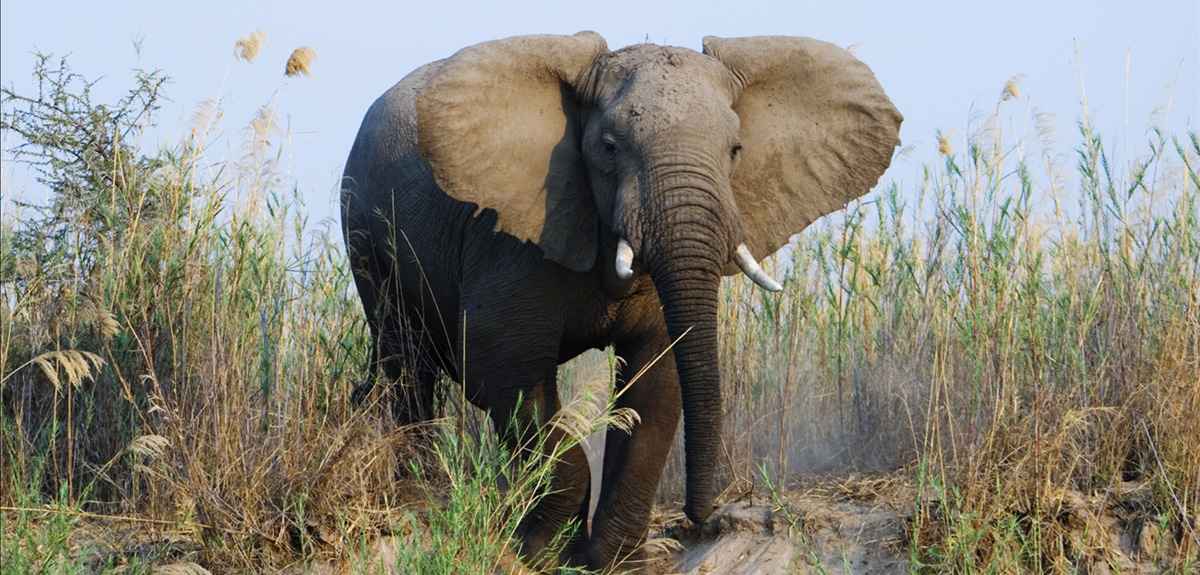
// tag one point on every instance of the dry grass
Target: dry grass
(247, 47)
(180, 350)
(1017, 332)
(300, 62)
(1011, 333)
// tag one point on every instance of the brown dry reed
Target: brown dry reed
(1017, 333)
(247, 47)
(300, 62)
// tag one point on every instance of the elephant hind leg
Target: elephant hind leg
(403, 364)
(405, 359)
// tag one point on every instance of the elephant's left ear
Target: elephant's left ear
(500, 128)
(817, 131)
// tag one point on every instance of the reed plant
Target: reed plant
(1016, 332)
(178, 349)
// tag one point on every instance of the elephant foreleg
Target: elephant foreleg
(633, 461)
(512, 333)
(530, 434)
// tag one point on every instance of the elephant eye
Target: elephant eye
(733, 152)
(610, 145)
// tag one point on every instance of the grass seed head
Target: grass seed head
(151, 446)
(945, 146)
(107, 325)
(103, 322)
(247, 47)
(205, 114)
(74, 362)
(1012, 88)
(264, 125)
(300, 61)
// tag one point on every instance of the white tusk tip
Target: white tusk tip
(746, 261)
(624, 263)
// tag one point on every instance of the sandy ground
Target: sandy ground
(859, 525)
(862, 525)
(825, 529)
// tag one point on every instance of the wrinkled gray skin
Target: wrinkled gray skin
(485, 198)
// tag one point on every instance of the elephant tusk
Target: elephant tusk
(624, 259)
(745, 260)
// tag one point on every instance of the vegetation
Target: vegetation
(1018, 334)
(1017, 337)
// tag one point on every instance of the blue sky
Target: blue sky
(942, 63)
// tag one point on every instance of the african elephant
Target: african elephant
(526, 199)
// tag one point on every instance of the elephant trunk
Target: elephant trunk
(685, 263)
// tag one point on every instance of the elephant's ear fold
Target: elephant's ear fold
(817, 131)
(500, 127)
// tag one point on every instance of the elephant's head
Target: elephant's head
(660, 160)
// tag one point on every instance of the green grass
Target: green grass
(1015, 332)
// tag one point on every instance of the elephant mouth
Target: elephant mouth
(744, 259)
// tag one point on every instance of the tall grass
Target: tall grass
(1017, 331)
(1020, 328)
(178, 349)
(226, 335)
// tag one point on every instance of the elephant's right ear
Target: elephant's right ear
(500, 127)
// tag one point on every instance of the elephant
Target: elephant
(527, 199)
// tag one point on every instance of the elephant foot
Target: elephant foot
(629, 562)
(576, 556)
(621, 554)
(543, 550)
